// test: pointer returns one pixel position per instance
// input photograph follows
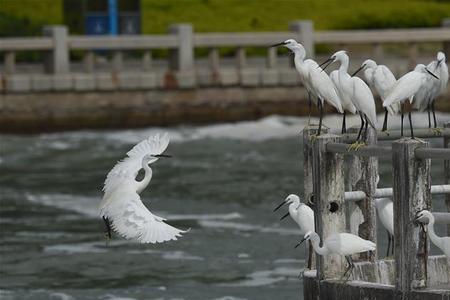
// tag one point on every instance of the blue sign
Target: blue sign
(97, 24)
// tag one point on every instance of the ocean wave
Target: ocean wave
(265, 277)
(247, 227)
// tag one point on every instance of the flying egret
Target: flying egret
(122, 208)
(431, 89)
(301, 213)
(356, 90)
(385, 211)
(344, 244)
(380, 79)
(316, 82)
(442, 243)
(406, 88)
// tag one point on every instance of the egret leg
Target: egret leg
(361, 128)
(434, 114)
(392, 246)
(410, 125)
(350, 266)
(401, 130)
(321, 117)
(389, 243)
(385, 120)
(108, 228)
(344, 129)
(365, 129)
(429, 117)
(309, 106)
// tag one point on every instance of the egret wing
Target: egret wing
(324, 87)
(131, 219)
(128, 168)
(345, 101)
(363, 95)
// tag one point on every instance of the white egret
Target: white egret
(406, 88)
(431, 89)
(315, 81)
(301, 213)
(347, 104)
(380, 79)
(356, 90)
(344, 244)
(122, 208)
(442, 243)
(385, 211)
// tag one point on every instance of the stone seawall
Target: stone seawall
(55, 111)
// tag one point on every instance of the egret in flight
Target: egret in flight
(381, 80)
(385, 211)
(122, 209)
(442, 243)
(344, 244)
(431, 89)
(356, 90)
(407, 87)
(316, 82)
(301, 213)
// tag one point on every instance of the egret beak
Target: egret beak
(162, 155)
(326, 63)
(439, 62)
(280, 205)
(357, 71)
(296, 246)
(429, 72)
(287, 214)
(278, 44)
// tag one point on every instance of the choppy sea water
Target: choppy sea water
(223, 182)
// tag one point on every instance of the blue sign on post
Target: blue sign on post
(112, 13)
(96, 24)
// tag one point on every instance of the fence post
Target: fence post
(304, 31)
(10, 62)
(329, 206)
(308, 176)
(446, 24)
(412, 181)
(57, 61)
(447, 172)
(182, 57)
(366, 181)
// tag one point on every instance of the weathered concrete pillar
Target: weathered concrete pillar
(412, 183)
(308, 187)
(182, 58)
(57, 61)
(446, 24)
(447, 173)
(329, 206)
(10, 62)
(304, 34)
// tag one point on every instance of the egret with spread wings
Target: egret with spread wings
(122, 208)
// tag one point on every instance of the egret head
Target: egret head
(289, 199)
(151, 158)
(335, 57)
(291, 44)
(440, 58)
(367, 64)
(309, 236)
(424, 216)
(422, 68)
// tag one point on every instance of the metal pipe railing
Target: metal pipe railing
(435, 153)
(363, 151)
(388, 193)
(396, 134)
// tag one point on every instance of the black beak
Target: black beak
(357, 71)
(429, 72)
(279, 44)
(326, 63)
(280, 205)
(162, 155)
(287, 214)
(296, 246)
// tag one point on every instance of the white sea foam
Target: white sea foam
(61, 296)
(265, 277)
(247, 227)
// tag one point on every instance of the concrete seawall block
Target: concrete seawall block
(62, 82)
(104, 82)
(41, 83)
(229, 77)
(289, 77)
(84, 82)
(148, 80)
(208, 78)
(269, 77)
(128, 81)
(18, 83)
(250, 77)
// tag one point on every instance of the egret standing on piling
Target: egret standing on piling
(407, 87)
(356, 90)
(344, 244)
(442, 243)
(431, 89)
(316, 82)
(381, 80)
(122, 208)
(385, 211)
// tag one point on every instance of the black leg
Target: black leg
(344, 129)
(310, 250)
(385, 120)
(410, 125)
(401, 130)
(365, 129)
(309, 106)
(429, 117)
(349, 267)
(108, 227)
(434, 114)
(362, 126)
(392, 246)
(389, 243)
(321, 116)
